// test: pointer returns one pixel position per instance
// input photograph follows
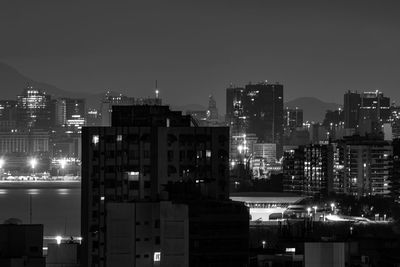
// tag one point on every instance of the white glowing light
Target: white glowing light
(58, 239)
(33, 162)
(63, 163)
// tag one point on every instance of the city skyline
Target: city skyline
(333, 47)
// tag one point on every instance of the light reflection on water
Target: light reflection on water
(33, 191)
(63, 191)
(56, 207)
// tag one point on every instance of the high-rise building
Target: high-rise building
(70, 112)
(366, 112)
(212, 111)
(150, 154)
(318, 170)
(374, 112)
(352, 102)
(293, 171)
(34, 109)
(395, 179)
(235, 111)
(292, 119)
(257, 109)
(367, 165)
(308, 170)
(8, 115)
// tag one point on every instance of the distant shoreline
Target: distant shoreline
(39, 184)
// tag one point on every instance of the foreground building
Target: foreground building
(21, 245)
(166, 175)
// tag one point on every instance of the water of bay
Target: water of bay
(55, 205)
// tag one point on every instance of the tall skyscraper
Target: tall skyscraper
(292, 119)
(212, 111)
(352, 102)
(34, 109)
(166, 175)
(235, 111)
(366, 112)
(257, 109)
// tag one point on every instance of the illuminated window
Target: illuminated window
(208, 153)
(157, 256)
(119, 138)
(95, 139)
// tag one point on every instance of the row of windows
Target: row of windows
(184, 139)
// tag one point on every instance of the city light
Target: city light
(315, 209)
(332, 206)
(62, 162)
(157, 256)
(58, 239)
(33, 162)
(2, 161)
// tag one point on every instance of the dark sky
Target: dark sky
(196, 48)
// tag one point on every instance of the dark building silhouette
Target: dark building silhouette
(257, 109)
(8, 115)
(212, 111)
(352, 102)
(21, 244)
(292, 119)
(152, 161)
(395, 179)
(366, 112)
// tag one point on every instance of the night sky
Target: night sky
(197, 48)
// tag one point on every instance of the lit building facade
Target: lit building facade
(257, 109)
(34, 109)
(308, 170)
(367, 165)
(293, 171)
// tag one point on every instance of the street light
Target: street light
(58, 239)
(315, 209)
(308, 211)
(33, 162)
(333, 207)
(63, 163)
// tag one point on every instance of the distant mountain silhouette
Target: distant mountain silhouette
(314, 109)
(12, 83)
